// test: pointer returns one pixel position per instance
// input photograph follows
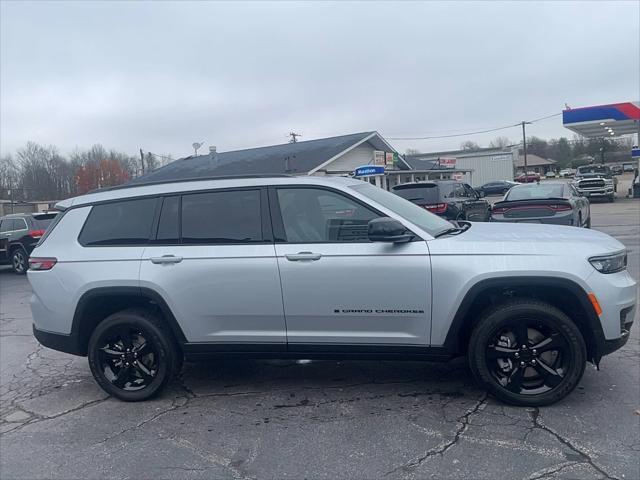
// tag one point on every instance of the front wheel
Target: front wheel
(527, 353)
(132, 355)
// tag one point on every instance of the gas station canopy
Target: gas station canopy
(604, 120)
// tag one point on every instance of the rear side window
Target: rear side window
(422, 195)
(19, 224)
(168, 225)
(119, 223)
(222, 217)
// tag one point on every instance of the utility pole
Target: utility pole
(524, 144)
(142, 160)
(294, 137)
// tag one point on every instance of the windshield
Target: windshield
(593, 169)
(536, 191)
(430, 223)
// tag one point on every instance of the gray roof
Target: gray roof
(288, 158)
(533, 161)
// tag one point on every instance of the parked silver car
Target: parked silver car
(556, 203)
(138, 278)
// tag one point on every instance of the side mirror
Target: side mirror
(480, 193)
(387, 229)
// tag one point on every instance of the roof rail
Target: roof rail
(191, 179)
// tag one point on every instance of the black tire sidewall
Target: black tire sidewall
(548, 314)
(152, 333)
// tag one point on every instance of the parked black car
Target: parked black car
(499, 187)
(449, 199)
(557, 203)
(19, 234)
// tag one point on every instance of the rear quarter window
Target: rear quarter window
(119, 223)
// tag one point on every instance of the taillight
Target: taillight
(42, 263)
(36, 233)
(560, 208)
(437, 208)
(499, 210)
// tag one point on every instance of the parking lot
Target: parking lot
(321, 419)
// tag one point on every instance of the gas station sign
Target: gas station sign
(368, 171)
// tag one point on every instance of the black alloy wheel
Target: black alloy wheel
(127, 359)
(19, 261)
(132, 355)
(527, 352)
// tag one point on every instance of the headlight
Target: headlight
(610, 263)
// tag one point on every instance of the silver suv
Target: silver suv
(138, 278)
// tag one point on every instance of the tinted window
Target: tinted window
(6, 225)
(19, 224)
(168, 226)
(315, 215)
(222, 217)
(422, 195)
(119, 223)
(535, 190)
(43, 220)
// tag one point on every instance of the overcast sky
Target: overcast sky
(161, 75)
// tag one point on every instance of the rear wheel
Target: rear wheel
(588, 224)
(19, 261)
(612, 198)
(527, 353)
(579, 219)
(132, 355)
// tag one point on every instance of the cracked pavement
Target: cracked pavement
(243, 419)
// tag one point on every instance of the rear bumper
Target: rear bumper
(566, 220)
(58, 341)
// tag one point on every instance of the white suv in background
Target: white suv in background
(139, 277)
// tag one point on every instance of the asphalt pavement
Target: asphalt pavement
(286, 419)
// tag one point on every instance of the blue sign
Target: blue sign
(635, 153)
(369, 171)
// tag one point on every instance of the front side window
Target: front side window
(119, 223)
(222, 217)
(427, 221)
(311, 215)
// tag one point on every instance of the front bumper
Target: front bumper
(596, 192)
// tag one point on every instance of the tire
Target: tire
(531, 385)
(612, 198)
(19, 261)
(588, 224)
(141, 377)
(580, 219)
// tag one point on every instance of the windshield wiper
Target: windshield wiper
(453, 230)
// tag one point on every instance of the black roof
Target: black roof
(288, 158)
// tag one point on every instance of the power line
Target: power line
(488, 130)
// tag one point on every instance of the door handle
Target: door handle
(166, 259)
(302, 256)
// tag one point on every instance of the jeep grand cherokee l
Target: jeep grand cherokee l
(19, 234)
(139, 278)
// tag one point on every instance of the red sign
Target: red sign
(447, 162)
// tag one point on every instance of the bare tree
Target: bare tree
(500, 142)
(469, 145)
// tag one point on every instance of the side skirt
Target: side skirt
(198, 351)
